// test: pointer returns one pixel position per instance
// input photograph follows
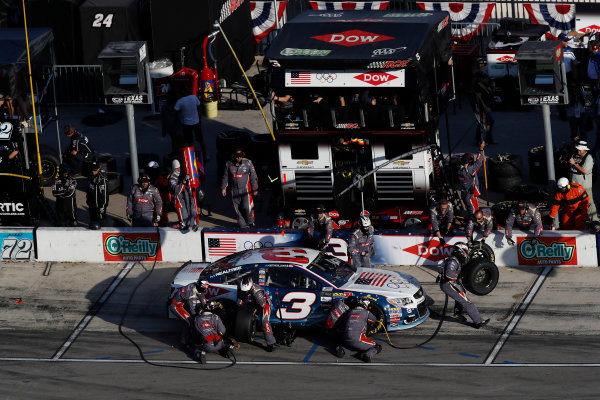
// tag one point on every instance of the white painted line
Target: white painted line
(517, 316)
(304, 364)
(93, 311)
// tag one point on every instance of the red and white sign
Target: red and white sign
(590, 28)
(506, 59)
(501, 64)
(430, 250)
(348, 78)
(354, 37)
(215, 291)
(547, 250)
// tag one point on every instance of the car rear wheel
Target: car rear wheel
(246, 322)
(480, 276)
(373, 328)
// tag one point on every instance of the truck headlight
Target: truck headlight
(399, 301)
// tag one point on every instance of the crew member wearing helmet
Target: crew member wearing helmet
(322, 224)
(362, 242)
(252, 294)
(185, 302)
(162, 184)
(209, 335)
(450, 284)
(144, 205)
(482, 220)
(353, 325)
(468, 183)
(183, 198)
(576, 203)
(97, 195)
(64, 190)
(525, 216)
(240, 177)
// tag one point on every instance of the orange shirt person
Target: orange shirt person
(575, 201)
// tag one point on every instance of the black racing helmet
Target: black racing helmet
(320, 209)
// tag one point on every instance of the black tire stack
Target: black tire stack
(227, 141)
(506, 171)
(538, 172)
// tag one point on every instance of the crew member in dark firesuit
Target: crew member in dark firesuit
(162, 184)
(526, 216)
(64, 190)
(482, 220)
(450, 285)
(183, 198)
(144, 205)
(97, 195)
(320, 223)
(441, 215)
(468, 183)
(251, 293)
(185, 302)
(240, 177)
(79, 153)
(351, 325)
(362, 242)
(209, 335)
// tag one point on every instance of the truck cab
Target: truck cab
(352, 91)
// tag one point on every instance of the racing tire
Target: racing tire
(522, 192)
(246, 324)
(480, 276)
(50, 164)
(413, 223)
(376, 327)
(503, 183)
(480, 249)
(506, 165)
(114, 182)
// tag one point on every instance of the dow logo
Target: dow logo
(506, 59)
(354, 37)
(376, 78)
(430, 250)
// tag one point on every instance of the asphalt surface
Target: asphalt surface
(69, 329)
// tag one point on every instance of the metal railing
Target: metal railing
(76, 84)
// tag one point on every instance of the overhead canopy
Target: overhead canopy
(363, 39)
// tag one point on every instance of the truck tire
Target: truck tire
(480, 249)
(50, 164)
(246, 324)
(480, 276)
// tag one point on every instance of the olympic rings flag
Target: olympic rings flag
(560, 17)
(349, 5)
(467, 17)
(263, 17)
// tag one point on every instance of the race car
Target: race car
(303, 283)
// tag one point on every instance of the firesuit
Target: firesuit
(468, 183)
(530, 219)
(362, 247)
(183, 200)
(144, 205)
(209, 330)
(97, 196)
(184, 302)
(66, 205)
(576, 202)
(162, 184)
(453, 288)
(84, 153)
(354, 325)
(440, 217)
(324, 226)
(240, 177)
(260, 299)
(485, 224)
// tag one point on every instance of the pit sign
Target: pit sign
(131, 246)
(547, 251)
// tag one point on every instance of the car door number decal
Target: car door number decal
(16, 249)
(300, 307)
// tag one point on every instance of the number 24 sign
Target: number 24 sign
(17, 246)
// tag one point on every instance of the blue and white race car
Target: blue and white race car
(303, 283)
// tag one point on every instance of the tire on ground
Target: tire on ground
(480, 249)
(506, 165)
(50, 164)
(246, 323)
(480, 276)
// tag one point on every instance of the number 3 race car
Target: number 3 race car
(302, 285)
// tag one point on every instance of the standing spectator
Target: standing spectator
(240, 177)
(582, 164)
(183, 198)
(483, 220)
(569, 58)
(144, 205)
(483, 101)
(362, 243)
(188, 109)
(576, 203)
(79, 154)
(321, 223)
(468, 183)
(64, 190)
(441, 215)
(162, 184)
(7, 111)
(250, 293)
(97, 195)
(526, 216)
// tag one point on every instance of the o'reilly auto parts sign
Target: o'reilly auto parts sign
(547, 251)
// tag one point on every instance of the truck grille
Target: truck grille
(394, 185)
(314, 185)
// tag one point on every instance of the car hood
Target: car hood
(382, 282)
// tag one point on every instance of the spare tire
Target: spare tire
(505, 165)
(480, 249)
(114, 182)
(50, 164)
(522, 192)
(480, 276)
(107, 162)
(503, 183)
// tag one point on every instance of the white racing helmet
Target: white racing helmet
(562, 184)
(364, 220)
(245, 284)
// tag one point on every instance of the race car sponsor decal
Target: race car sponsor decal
(213, 291)
(387, 51)
(17, 246)
(590, 28)
(341, 295)
(347, 78)
(304, 52)
(285, 255)
(388, 64)
(375, 78)
(131, 246)
(6, 129)
(506, 59)
(354, 37)
(547, 251)
(12, 208)
(372, 279)
(430, 250)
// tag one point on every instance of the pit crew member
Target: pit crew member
(526, 216)
(321, 224)
(482, 220)
(576, 203)
(183, 198)
(468, 183)
(144, 204)
(251, 293)
(64, 190)
(240, 177)
(185, 302)
(209, 335)
(441, 214)
(362, 242)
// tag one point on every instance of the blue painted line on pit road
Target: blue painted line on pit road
(102, 358)
(469, 355)
(311, 351)
(426, 348)
(152, 351)
(510, 362)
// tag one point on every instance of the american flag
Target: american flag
(221, 246)
(372, 279)
(300, 77)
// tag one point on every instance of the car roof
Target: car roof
(300, 256)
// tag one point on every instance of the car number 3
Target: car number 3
(300, 306)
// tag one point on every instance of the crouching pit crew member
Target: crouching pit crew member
(482, 220)
(209, 335)
(450, 284)
(185, 302)
(526, 216)
(251, 293)
(442, 215)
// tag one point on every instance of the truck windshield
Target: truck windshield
(332, 269)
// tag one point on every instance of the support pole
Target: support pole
(132, 142)
(549, 147)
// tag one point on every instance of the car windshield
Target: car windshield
(220, 265)
(332, 269)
